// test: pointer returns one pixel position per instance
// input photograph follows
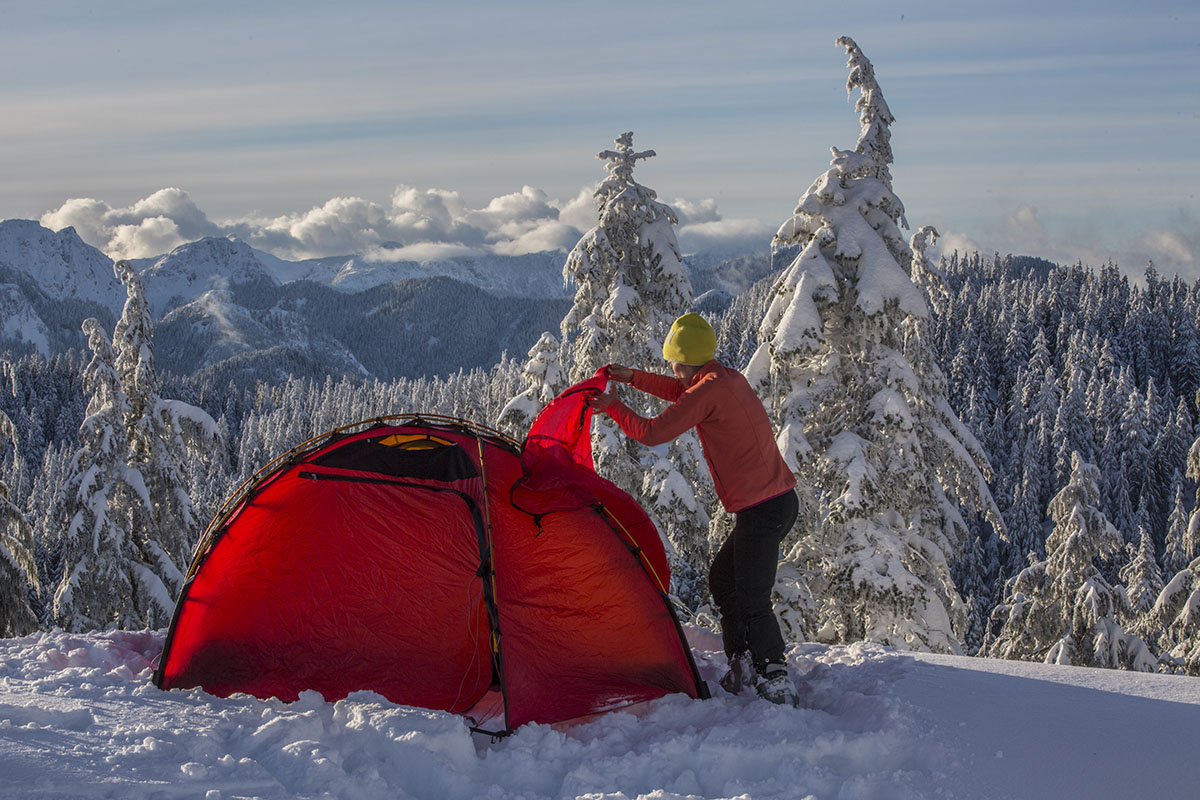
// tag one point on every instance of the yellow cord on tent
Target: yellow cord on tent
(641, 554)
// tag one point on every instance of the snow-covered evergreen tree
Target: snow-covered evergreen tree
(1190, 544)
(18, 571)
(544, 379)
(630, 286)
(1142, 577)
(1177, 609)
(1177, 614)
(1061, 609)
(111, 565)
(1072, 431)
(129, 524)
(627, 272)
(1175, 552)
(164, 435)
(852, 382)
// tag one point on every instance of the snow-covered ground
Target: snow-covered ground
(80, 718)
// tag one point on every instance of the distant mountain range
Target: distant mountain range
(224, 308)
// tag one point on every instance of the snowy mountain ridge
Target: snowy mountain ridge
(241, 303)
(191, 270)
(64, 266)
(214, 262)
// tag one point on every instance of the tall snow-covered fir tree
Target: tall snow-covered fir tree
(111, 569)
(861, 406)
(128, 520)
(1179, 547)
(628, 275)
(1141, 577)
(1061, 609)
(164, 435)
(18, 571)
(630, 286)
(853, 385)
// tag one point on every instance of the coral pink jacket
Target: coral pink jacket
(735, 432)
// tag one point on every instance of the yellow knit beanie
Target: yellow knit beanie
(691, 341)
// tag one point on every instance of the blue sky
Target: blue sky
(1067, 130)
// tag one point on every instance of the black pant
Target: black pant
(742, 576)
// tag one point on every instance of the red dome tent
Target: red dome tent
(434, 562)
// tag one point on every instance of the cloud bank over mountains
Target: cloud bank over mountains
(416, 224)
(426, 224)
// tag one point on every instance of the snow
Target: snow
(61, 263)
(178, 411)
(793, 320)
(848, 450)
(19, 322)
(79, 718)
(620, 300)
(190, 270)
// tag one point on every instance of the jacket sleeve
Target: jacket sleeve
(663, 387)
(685, 413)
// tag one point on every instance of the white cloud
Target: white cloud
(1173, 247)
(690, 213)
(952, 242)
(421, 252)
(522, 208)
(85, 215)
(745, 235)
(149, 227)
(1024, 226)
(146, 237)
(341, 226)
(549, 235)
(173, 204)
(524, 222)
(416, 224)
(431, 215)
(580, 211)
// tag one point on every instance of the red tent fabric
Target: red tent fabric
(431, 561)
(563, 428)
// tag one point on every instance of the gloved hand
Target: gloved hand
(601, 401)
(618, 373)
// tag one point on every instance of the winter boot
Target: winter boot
(776, 685)
(740, 674)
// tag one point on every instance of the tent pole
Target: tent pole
(495, 638)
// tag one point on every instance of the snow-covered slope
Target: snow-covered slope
(538, 275)
(80, 719)
(64, 266)
(212, 329)
(413, 328)
(19, 322)
(192, 269)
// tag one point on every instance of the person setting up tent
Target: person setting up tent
(751, 479)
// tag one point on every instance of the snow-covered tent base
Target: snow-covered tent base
(424, 559)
